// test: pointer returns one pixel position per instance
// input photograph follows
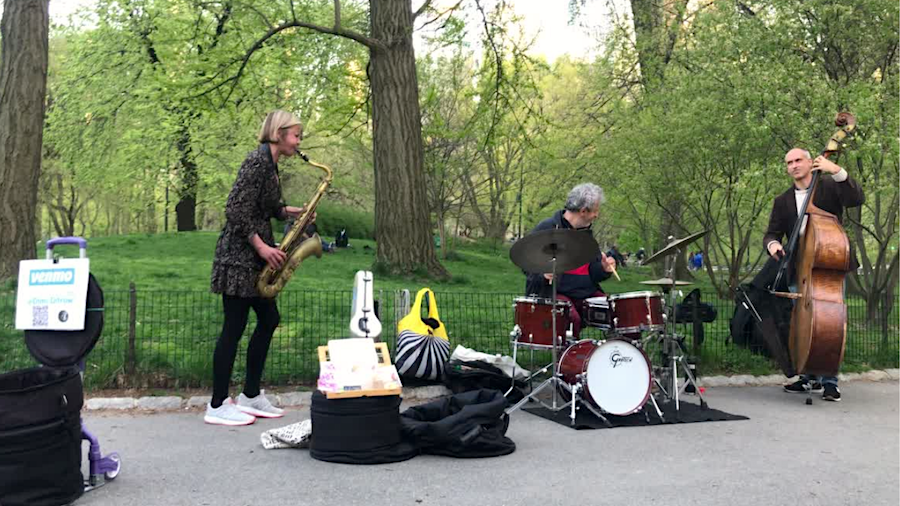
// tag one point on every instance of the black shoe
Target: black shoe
(831, 393)
(799, 387)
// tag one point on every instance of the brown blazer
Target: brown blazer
(830, 196)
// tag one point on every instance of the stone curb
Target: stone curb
(297, 399)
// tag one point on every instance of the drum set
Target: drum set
(613, 375)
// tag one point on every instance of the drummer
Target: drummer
(582, 208)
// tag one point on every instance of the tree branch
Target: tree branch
(425, 7)
(439, 15)
(337, 30)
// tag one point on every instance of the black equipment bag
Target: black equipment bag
(341, 240)
(684, 311)
(359, 430)
(40, 423)
(467, 425)
(770, 336)
(692, 310)
(40, 436)
(460, 376)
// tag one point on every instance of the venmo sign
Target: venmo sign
(52, 294)
(44, 277)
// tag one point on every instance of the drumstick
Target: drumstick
(616, 274)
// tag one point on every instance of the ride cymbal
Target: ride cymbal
(571, 248)
(674, 245)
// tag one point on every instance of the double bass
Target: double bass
(821, 260)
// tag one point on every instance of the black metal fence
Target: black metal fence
(166, 338)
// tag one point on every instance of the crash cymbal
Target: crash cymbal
(670, 248)
(572, 248)
(665, 282)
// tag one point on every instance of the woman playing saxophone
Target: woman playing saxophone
(245, 246)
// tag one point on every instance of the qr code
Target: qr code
(40, 316)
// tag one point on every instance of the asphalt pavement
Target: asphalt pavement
(845, 453)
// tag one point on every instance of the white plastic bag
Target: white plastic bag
(503, 362)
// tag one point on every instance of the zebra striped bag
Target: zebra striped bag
(423, 347)
(421, 356)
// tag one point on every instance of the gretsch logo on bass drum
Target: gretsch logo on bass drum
(616, 358)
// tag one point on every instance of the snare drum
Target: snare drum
(615, 374)
(597, 313)
(636, 312)
(534, 322)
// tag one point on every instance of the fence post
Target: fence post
(130, 355)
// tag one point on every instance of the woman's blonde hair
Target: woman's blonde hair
(274, 123)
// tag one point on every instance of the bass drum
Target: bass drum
(615, 374)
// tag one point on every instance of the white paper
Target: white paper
(355, 353)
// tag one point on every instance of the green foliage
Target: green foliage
(133, 96)
(143, 90)
(700, 145)
(332, 218)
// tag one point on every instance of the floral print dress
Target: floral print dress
(254, 200)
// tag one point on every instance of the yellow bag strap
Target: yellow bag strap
(413, 320)
(416, 308)
(432, 305)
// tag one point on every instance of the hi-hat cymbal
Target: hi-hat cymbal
(572, 248)
(666, 282)
(670, 248)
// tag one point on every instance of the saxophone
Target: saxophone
(271, 281)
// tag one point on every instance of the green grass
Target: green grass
(178, 319)
(182, 261)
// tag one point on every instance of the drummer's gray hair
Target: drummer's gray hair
(584, 196)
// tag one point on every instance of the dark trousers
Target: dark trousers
(237, 310)
(575, 312)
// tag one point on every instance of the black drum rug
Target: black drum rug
(584, 419)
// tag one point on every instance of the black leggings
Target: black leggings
(237, 310)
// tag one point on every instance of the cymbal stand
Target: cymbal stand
(672, 347)
(554, 380)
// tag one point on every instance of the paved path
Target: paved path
(787, 454)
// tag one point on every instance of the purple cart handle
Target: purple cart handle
(57, 241)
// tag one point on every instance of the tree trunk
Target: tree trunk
(887, 306)
(649, 26)
(23, 84)
(402, 224)
(185, 212)
(186, 208)
(669, 230)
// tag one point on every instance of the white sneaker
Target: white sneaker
(227, 414)
(258, 406)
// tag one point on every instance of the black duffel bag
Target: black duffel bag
(684, 311)
(460, 376)
(40, 436)
(469, 424)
